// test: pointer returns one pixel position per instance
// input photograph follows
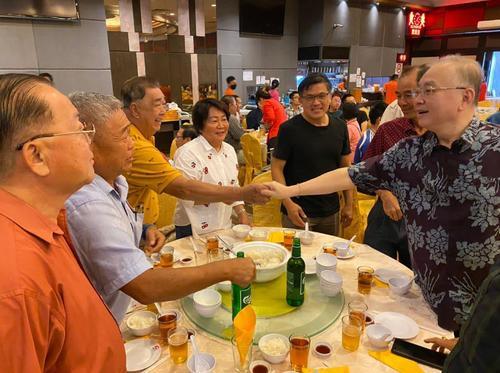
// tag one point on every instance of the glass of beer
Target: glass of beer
(178, 344)
(358, 308)
(351, 332)
(288, 235)
(215, 255)
(212, 244)
(365, 279)
(167, 256)
(299, 351)
(166, 321)
(328, 248)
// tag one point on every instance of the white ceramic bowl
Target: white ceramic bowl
(325, 262)
(139, 332)
(306, 238)
(260, 362)
(265, 274)
(210, 359)
(330, 283)
(241, 230)
(258, 235)
(224, 286)
(273, 359)
(342, 248)
(375, 332)
(400, 285)
(207, 302)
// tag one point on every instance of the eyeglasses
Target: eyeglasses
(311, 98)
(428, 91)
(88, 130)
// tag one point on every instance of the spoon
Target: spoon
(350, 241)
(200, 365)
(158, 307)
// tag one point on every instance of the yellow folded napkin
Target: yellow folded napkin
(244, 329)
(396, 362)
(276, 236)
(379, 283)
(343, 369)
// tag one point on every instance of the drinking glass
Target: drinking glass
(365, 279)
(358, 308)
(167, 256)
(351, 332)
(241, 363)
(288, 235)
(166, 321)
(299, 351)
(177, 344)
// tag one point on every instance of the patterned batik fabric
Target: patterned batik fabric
(451, 203)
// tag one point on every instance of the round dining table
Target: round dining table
(380, 299)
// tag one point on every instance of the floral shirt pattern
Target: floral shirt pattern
(450, 199)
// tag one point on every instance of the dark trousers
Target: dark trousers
(182, 231)
(386, 235)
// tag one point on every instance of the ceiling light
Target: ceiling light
(171, 14)
(214, 5)
(403, 7)
(377, 3)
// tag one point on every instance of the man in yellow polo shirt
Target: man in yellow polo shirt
(151, 173)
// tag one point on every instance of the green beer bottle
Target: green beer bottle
(241, 297)
(295, 276)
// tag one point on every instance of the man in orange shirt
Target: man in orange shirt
(390, 89)
(52, 318)
(231, 86)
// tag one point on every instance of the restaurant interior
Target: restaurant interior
(321, 300)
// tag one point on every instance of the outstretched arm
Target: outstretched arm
(329, 182)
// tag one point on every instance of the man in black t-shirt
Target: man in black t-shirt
(309, 145)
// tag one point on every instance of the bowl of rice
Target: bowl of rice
(269, 258)
(274, 347)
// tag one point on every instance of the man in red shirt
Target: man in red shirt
(52, 318)
(390, 89)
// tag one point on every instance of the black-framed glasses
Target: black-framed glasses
(311, 98)
(428, 91)
(88, 130)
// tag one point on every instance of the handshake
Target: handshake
(262, 193)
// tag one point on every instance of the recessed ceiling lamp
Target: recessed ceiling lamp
(214, 5)
(171, 14)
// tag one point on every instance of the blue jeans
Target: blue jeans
(183, 231)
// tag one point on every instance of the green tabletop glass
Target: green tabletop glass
(316, 314)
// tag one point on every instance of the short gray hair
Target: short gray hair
(95, 108)
(467, 71)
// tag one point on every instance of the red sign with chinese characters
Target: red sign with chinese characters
(416, 23)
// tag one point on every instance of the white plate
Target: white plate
(141, 353)
(400, 325)
(350, 254)
(384, 274)
(310, 266)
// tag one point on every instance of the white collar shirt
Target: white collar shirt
(200, 161)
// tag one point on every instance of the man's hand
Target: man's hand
(346, 215)
(276, 190)
(241, 271)
(254, 193)
(154, 240)
(295, 213)
(390, 204)
(442, 344)
(243, 218)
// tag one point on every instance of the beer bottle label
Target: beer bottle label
(246, 297)
(302, 282)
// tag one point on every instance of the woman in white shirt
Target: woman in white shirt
(209, 159)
